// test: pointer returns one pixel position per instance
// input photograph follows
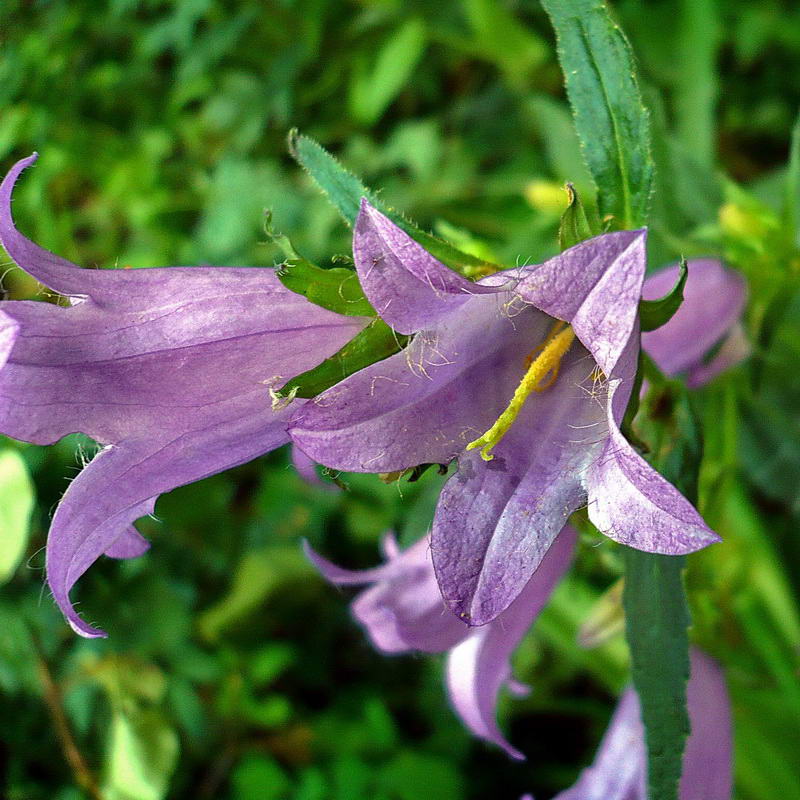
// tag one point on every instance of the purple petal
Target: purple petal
(403, 610)
(123, 481)
(595, 286)
(632, 504)
(407, 286)
(170, 367)
(425, 404)
(480, 665)
(9, 330)
(307, 469)
(347, 577)
(735, 348)
(619, 771)
(713, 301)
(707, 761)
(496, 520)
(129, 544)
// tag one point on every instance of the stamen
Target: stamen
(544, 366)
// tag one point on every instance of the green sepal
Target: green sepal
(376, 342)
(336, 289)
(655, 313)
(345, 191)
(575, 226)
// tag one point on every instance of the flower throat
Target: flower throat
(542, 373)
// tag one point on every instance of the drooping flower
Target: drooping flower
(709, 317)
(403, 611)
(168, 369)
(534, 366)
(619, 771)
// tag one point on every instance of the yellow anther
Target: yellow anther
(545, 366)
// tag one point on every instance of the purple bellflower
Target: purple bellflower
(168, 369)
(524, 377)
(709, 317)
(403, 611)
(619, 771)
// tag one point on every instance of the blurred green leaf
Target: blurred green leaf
(257, 576)
(16, 505)
(556, 130)
(408, 771)
(791, 205)
(610, 118)
(373, 87)
(696, 88)
(259, 777)
(141, 755)
(499, 37)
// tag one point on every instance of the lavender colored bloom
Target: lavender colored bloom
(168, 369)
(709, 316)
(500, 513)
(619, 771)
(403, 611)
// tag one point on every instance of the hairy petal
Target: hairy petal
(595, 286)
(479, 666)
(425, 404)
(123, 481)
(631, 503)
(496, 520)
(402, 610)
(407, 286)
(713, 301)
(113, 374)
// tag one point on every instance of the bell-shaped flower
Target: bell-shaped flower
(168, 369)
(523, 377)
(619, 771)
(402, 611)
(706, 324)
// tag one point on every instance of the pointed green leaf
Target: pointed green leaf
(16, 505)
(657, 619)
(655, 313)
(610, 118)
(345, 191)
(376, 342)
(656, 611)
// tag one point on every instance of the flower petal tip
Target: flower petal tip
(82, 628)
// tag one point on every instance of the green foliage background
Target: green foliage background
(232, 671)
